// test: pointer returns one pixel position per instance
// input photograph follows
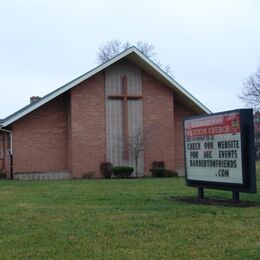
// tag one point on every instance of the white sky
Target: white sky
(211, 45)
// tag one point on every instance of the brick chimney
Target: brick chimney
(34, 98)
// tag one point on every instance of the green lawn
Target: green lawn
(122, 219)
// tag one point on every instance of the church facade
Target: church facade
(94, 118)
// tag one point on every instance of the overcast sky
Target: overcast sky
(211, 45)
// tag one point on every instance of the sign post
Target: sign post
(200, 193)
(220, 152)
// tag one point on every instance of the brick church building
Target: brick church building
(90, 120)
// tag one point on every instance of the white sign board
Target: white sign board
(213, 148)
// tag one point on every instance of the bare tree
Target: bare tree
(168, 71)
(136, 146)
(146, 49)
(136, 143)
(112, 48)
(251, 90)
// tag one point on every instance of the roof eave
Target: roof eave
(158, 73)
(132, 54)
(27, 109)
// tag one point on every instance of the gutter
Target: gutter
(10, 150)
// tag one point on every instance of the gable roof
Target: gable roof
(135, 56)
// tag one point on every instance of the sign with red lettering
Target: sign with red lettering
(215, 148)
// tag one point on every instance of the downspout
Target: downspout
(10, 150)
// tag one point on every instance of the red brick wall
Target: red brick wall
(158, 113)
(69, 133)
(88, 126)
(4, 155)
(2, 151)
(40, 138)
(181, 111)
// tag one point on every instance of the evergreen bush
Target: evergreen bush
(170, 173)
(157, 171)
(123, 171)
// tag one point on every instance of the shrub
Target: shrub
(170, 173)
(106, 169)
(157, 171)
(123, 171)
(88, 175)
(159, 164)
(158, 168)
(2, 175)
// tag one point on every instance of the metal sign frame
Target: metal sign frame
(247, 151)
